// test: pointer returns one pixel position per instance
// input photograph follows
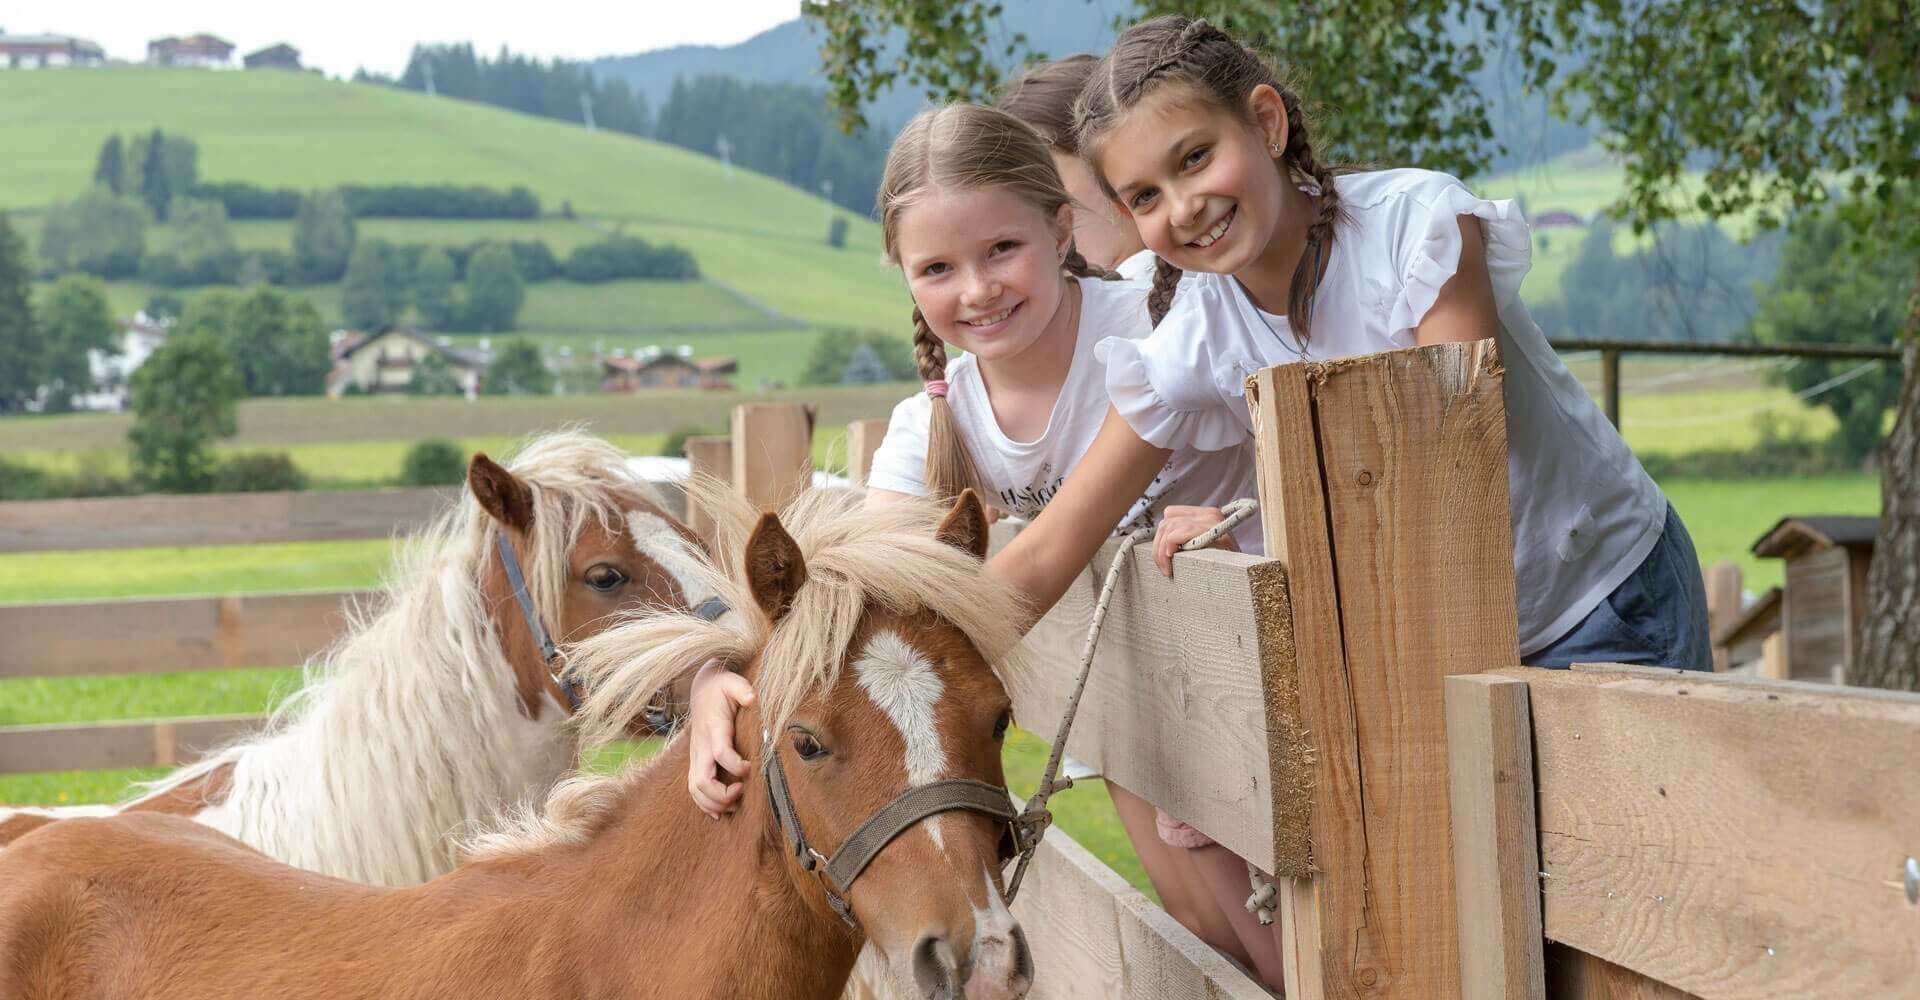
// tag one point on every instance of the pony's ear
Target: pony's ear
(965, 526)
(775, 568)
(502, 495)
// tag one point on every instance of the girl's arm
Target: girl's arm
(1043, 560)
(1465, 309)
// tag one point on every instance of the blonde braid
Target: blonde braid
(949, 467)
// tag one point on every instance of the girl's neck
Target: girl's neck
(1269, 279)
(1022, 388)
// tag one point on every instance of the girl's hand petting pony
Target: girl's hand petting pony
(718, 693)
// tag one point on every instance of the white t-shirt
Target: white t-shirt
(1585, 514)
(1138, 267)
(1022, 476)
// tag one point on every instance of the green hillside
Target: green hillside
(759, 240)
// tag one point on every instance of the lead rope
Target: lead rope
(1033, 821)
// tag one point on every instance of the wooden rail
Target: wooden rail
(217, 519)
(1611, 350)
(156, 635)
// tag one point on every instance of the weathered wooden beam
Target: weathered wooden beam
(1175, 708)
(772, 451)
(710, 456)
(219, 519)
(1095, 937)
(156, 635)
(1496, 849)
(1573, 974)
(97, 745)
(1733, 838)
(863, 439)
(1391, 472)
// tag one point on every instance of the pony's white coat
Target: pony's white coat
(411, 730)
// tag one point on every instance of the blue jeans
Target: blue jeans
(1657, 617)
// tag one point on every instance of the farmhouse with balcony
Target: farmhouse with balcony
(48, 51)
(666, 370)
(385, 362)
(202, 51)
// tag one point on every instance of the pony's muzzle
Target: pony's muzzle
(1000, 967)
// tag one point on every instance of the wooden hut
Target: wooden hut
(1826, 589)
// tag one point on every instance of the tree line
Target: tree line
(779, 129)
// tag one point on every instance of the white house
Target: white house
(139, 338)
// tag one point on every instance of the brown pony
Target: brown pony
(438, 709)
(867, 632)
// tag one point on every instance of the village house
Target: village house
(201, 51)
(385, 362)
(281, 56)
(111, 374)
(666, 370)
(48, 51)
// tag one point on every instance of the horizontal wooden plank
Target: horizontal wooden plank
(232, 518)
(1095, 937)
(217, 519)
(97, 745)
(1731, 838)
(153, 635)
(1174, 710)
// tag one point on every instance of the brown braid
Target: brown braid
(1080, 267)
(1216, 68)
(1166, 281)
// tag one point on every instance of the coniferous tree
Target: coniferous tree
(109, 171)
(323, 235)
(494, 289)
(156, 187)
(433, 291)
(23, 351)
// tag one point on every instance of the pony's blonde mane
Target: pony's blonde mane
(419, 676)
(856, 554)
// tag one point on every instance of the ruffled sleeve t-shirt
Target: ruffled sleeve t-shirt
(1585, 514)
(1023, 476)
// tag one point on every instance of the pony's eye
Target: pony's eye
(604, 578)
(1000, 725)
(806, 746)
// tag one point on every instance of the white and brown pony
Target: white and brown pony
(864, 631)
(438, 710)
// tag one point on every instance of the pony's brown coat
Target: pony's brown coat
(652, 901)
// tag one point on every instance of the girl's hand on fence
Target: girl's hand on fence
(1180, 525)
(717, 694)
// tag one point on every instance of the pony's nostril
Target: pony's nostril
(934, 970)
(1022, 960)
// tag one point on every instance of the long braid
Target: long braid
(1166, 280)
(949, 467)
(1298, 156)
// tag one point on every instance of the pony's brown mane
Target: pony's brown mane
(855, 553)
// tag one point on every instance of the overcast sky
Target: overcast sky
(340, 36)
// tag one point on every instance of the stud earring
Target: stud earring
(1275, 147)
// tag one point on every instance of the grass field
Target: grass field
(758, 235)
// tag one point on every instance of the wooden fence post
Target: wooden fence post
(1723, 605)
(1384, 486)
(772, 451)
(1496, 837)
(863, 439)
(707, 455)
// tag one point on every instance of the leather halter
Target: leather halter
(709, 610)
(837, 873)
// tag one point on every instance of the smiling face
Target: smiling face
(1199, 182)
(984, 267)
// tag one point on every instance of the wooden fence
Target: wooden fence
(1348, 713)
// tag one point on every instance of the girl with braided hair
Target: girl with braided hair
(973, 211)
(1200, 143)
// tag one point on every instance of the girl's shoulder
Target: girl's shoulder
(1399, 187)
